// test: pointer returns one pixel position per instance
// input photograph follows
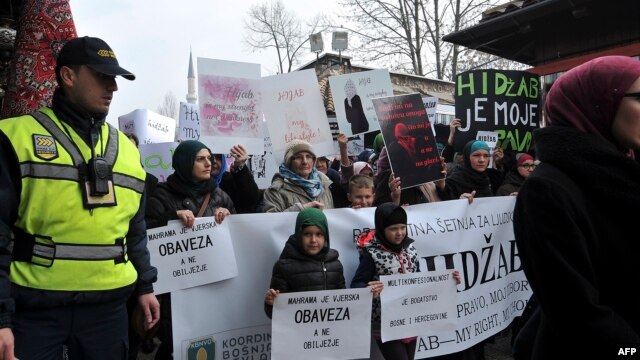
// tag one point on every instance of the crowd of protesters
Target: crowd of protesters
(572, 222)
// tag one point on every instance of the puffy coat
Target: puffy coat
(295, 271)
(284, 195)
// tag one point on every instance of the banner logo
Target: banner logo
(202, 349)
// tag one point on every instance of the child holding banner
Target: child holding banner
(306, 263)
(387, 250)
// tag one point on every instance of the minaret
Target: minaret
(192, 97)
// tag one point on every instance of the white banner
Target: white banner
(188, 257)
(352, 94)
(188, 122)
(321, 324)
(476, 239)
(149, 127)
(229, 105)
(414, 304)
(431, 104)
(293, 110)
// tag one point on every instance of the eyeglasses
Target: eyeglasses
(528, 166)
(633, 94)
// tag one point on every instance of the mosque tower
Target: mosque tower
(192, 97)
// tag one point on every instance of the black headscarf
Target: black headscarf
(388, 214)
(182, 179)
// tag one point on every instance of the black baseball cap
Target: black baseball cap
(94, 53)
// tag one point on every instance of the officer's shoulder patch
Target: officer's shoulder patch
(44, 147)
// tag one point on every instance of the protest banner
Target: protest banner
(352, 94)
(157, 159)
(413, 303)
(491, 138)
(355, 145)
(476, 239)
(293, 110)
(264, 166)
(504, 101)
(411, 145)
(315, 325)
(149, 127)
(431, 105)
(188, 122)
(188, 257)
(230, 111)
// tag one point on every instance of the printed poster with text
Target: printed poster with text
(188, 257)
(230, 111)
(411, 145)
(148, 126)
(293, 109)
(316, 325)
(503, 101)
(188, 122)
(417, 303)
(352, 94)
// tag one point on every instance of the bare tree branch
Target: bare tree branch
(169, 106)
(407, 35)
(270, 26)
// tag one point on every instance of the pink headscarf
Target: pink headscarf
(358, 166)
(587, 97)
(522, 157)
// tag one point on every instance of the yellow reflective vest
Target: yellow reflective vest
(71, 247)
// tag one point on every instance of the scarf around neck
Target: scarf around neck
(312, 186)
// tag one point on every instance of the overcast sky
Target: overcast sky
(151, 38)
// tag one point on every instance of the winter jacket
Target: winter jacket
(165, 201)
(511, 183)
(86, 126)
(242, 189)
(295, 271)
(284, 195)
(576, 231)
(376, 260)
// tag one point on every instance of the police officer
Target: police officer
(73, 243)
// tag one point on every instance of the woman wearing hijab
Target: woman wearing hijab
(188, 189)
(353, 109)
(188, 193)
(574, 222)
(512, 182)
(298, 184)
(470, 179)
(387, 250)
(307, 263)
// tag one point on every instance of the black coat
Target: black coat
(463, 179)
(165, 201)
(295, 271)
(242, 189)
(511, 183)
(576, 231)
